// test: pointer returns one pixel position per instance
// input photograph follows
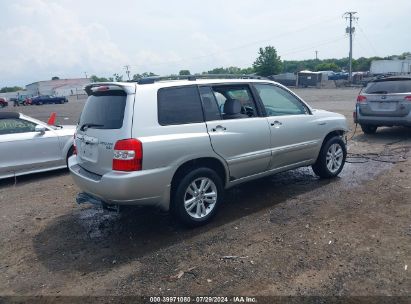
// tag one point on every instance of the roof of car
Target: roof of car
(6, 115)
(392, 78)
(130, 86)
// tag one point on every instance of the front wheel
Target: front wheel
(368, 129)
(331, 159)
(197, 197)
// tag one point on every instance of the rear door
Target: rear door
(295, 133)
(105, 119)
(387, 98)
(244, 141)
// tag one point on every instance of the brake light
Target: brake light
(361, 98)
(128, 155)
(407, 98)
(102, 88)
(74, 145)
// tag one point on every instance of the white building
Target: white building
(59, 87)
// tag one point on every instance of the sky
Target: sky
(70, 38)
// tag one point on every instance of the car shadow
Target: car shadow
(30, 178)
(386, 135)
(91, 239)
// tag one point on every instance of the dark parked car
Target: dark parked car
(3, 103)
(43, 99)
(384, 102)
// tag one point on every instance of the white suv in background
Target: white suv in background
(178, 144)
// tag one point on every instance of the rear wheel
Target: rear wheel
(369, 129)
(197, 197)
(331, 159)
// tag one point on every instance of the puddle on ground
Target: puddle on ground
(355, 174)
(97, 221)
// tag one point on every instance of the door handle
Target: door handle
(219, 128)
(276, 124)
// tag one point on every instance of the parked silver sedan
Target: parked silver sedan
(28, 145)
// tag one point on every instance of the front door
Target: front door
(23, 149)
(295, 134)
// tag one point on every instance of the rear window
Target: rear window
(389, 86)
(179, 105)
(104, 110)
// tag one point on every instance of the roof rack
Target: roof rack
(153, 79)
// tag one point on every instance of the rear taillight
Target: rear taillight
(128, 155)
(74, 145)
(407, 98)
(361, 98)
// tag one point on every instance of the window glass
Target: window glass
(12, 126)
(104, 110)
(180, 105)
(278, 101)
(241, 94)
(389, 86)
(210, 106)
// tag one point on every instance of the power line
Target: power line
(242, 46)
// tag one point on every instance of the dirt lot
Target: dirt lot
(290, 234)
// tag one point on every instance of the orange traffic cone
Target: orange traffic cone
(52, 119)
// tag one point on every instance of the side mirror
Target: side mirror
(40, 129)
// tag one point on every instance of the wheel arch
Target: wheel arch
(207, 162)
(338, 132)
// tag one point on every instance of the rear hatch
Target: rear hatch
(105, 119)
(387, 97)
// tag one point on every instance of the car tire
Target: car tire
(69, 154)
(331, 159)
(39, 103)
(197, 197)
(369, 129)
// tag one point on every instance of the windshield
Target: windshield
(104, 110)
(389, 86)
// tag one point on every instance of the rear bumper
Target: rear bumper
(146, 187)
(383, 120)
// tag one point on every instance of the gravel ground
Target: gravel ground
(289, 234)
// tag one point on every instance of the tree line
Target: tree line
(269, 63)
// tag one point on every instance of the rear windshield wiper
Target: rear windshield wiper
(378, 92)
(89, 125)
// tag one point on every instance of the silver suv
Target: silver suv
(178, 144)
(384, 102)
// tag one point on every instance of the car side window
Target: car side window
(235, 101)
(278, 101)
(179, 105)
(14, 126)
(209, 102)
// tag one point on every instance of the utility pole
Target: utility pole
(85, 73)
(316, 55)
(127, 71)
(350, 30)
